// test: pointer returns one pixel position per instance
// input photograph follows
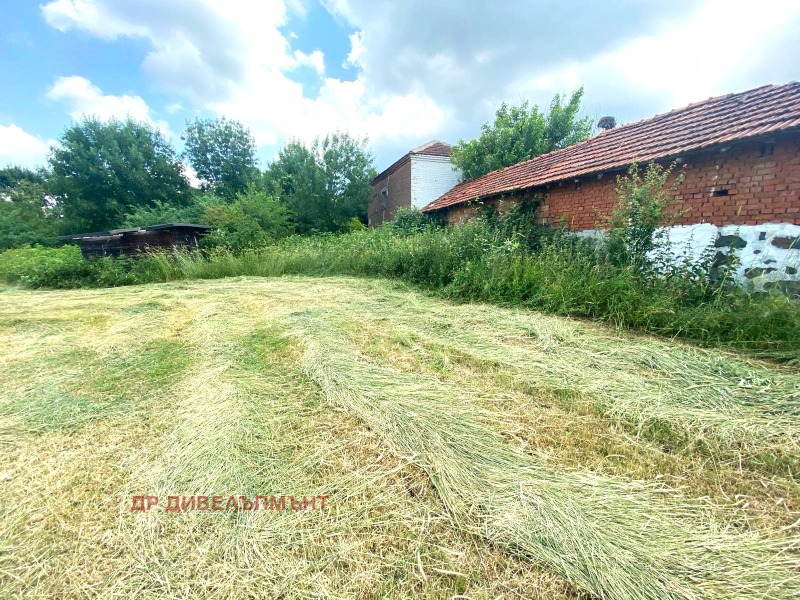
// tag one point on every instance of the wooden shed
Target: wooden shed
(127, 242)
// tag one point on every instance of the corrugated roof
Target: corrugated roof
(116, 232)
(719, 120)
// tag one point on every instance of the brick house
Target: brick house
(740, 158)
(415, 179)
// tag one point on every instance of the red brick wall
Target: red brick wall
(762, 188)
(399, 184)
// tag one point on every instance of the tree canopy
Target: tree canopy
(25, 216)
(325, 185)
(223, 153)
(520, 133)
(13, 175)
(101, 171)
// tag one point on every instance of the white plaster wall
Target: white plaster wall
(431, 176)
(759, 252)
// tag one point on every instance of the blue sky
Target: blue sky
(401, 73)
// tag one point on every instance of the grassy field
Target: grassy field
(467, 451)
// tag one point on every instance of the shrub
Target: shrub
(636, 228)
(409, 220)
(45, 267)
(252, 220)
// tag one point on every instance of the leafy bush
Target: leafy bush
(636, 227)
(409, 220)
(45, 267)
(252, 220)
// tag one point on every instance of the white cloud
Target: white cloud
(232, 58)
(634, 59)
(93, 17)
(83, 98)
(436, 69)
(200, 48)
(315, 59)
(356, 49)
(685, 64)
(18, 147)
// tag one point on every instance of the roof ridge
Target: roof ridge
(426, 145)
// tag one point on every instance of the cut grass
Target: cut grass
(669, 391)
(391, 404)
(614, 539)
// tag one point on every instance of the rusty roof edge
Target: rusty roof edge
(113, 232)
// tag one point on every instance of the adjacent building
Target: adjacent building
(415, 179)
(739, 156)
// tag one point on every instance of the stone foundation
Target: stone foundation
(768, 254)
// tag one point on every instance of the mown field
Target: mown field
(466, 451)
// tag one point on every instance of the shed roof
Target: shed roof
(112, 232)
(764, 110)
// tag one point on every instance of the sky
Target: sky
(399, 72)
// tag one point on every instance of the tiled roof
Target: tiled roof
(432, 148)
(718, 120)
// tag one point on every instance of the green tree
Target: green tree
(223, 153)
(14, 174)
(101, 171)
(325, 185)
(26, 217)
(253, 219)
(520, 133)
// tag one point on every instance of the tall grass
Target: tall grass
(474, 262)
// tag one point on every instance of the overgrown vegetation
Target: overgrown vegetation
(626, 280)
(487, 260)
(304, 215)
(254, 219)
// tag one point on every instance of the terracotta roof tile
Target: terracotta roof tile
(714, 121)
(433, 148)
